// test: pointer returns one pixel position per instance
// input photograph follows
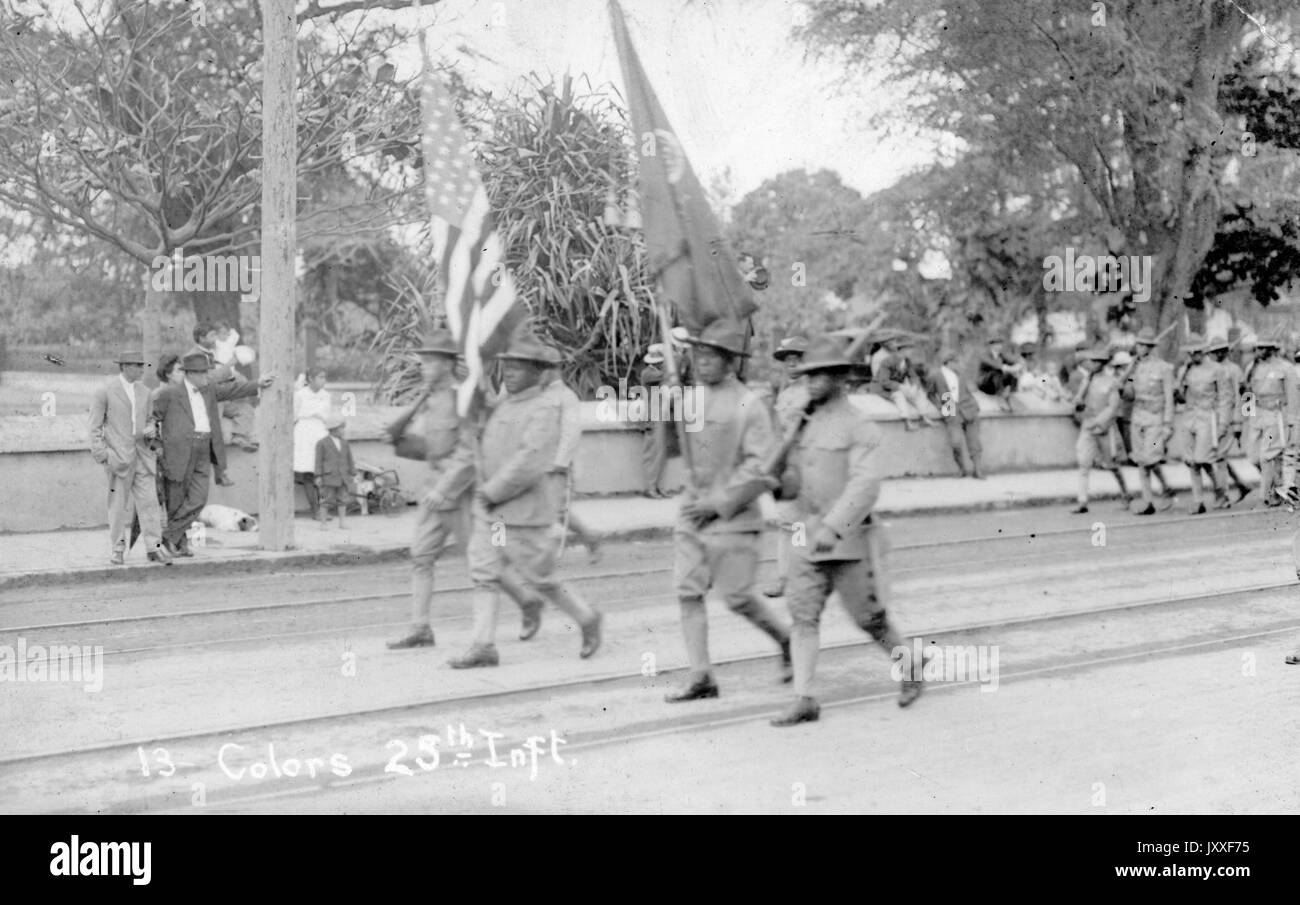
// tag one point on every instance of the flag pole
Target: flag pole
(674, 379)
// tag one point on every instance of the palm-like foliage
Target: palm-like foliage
(552, 162)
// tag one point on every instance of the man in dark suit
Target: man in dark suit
(187, 413)
(951, 393)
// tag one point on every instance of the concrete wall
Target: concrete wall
(50, 481)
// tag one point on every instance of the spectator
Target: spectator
(787, 410)
(120, 433)
(335, 471)
(238, 411)
(895, 375)
(187, 413)
(311, 407)
(1037, 379)
(654, 442)
(205, 343)
(998, 374)
(950, 392)
(168, 373)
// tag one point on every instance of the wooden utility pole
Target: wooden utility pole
(279, 253)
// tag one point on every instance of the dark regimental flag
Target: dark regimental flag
(481, 304)
(684, 242)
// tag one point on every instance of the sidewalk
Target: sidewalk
(77, 555)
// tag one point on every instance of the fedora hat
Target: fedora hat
(196, 361)
(791, 345)
(825, 354)
(439, 342)
(723, 333)
(1217, 343)
(1194, 343)
(525, 346)
(1147, 337)
(130, 358)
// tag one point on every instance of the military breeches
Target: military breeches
(727, 562)
(1097, 450)
(433, 528)
(1198, 435)
(1149, 438)
(1267, 435)
(530, 551)
(810, 583)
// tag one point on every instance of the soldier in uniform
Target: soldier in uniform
(444, 508)
(1098, 442)
(1229, 431)
(833, 477)
(515, 509)
(1273, 410)
(719, 522)
(786, 410)
(1206, 390)
(1153, 415)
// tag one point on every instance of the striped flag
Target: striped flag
(481, 304)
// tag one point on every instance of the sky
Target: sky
(738, 90)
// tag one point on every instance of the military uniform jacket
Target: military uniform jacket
(838, 462)
(790, 403)
(1100, 403)
(728, 453)
(1208, 387)
(1273, 384)
(1232, 378)
(448, 446)
(518, 450)
(1152, 388)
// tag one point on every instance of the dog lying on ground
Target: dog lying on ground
(227, 518)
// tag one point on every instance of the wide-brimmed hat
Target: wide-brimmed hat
(1194, 343)
(1272, 342)
(1147, 337)
(791, 345)
(439, 342)
(130, 358)
(525, 346)
(196, 361)
(1217, 343)
(824, 354)
(1121, 359)
(723, 333)
(654, 354)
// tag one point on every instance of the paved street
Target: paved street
(1142, 673)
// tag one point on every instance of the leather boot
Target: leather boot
(421, 637)
(803, 710)
(531, 609)
(591, 637)
(477, 655)
(702, 687)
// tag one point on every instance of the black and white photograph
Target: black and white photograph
(651, 407)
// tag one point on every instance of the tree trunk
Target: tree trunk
(151, 319)
(278, 290)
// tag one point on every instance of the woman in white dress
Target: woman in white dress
(311, 406)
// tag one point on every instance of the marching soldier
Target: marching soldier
(515, 508)
(444, 508)
(1098, 442)
(1229, 431)
(1274, 409)
(1207, 392)
(1291, 455)
(787, 409)
(1153, 415)
(833, 478)
(719, 523)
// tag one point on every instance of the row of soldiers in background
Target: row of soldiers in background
(1125, 407)
(511, 474)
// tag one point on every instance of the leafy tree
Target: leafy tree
(1116, 107)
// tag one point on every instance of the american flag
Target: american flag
(481, 305)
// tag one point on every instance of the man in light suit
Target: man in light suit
(121, 428)
(950, 392)
(187, 413)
